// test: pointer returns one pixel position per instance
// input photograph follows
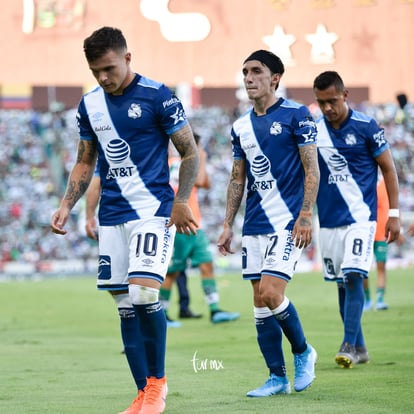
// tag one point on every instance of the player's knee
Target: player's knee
(271, 298)
(143, 295)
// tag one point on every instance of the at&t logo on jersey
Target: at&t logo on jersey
(117, 152)
(337, 163)
(261, 167)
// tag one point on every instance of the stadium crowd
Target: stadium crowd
(36, 156)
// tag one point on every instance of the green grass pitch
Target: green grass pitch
(60, 352)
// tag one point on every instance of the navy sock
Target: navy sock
(154, 329)
(269, 337)
(353, 307)
(292, 328)
(133, 346)
(341, 299)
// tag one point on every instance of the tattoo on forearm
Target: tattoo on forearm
(310, 164)
(234, 196)
(235, 191)
(184, 142)
(76, 189)
(86, 148)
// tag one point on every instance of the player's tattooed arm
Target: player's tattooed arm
(186, 146)
(235, 191)
(81, 174)
(309, 157)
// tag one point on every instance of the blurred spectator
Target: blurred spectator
(36, 157)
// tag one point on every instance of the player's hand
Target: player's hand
(91, 228)
(392, 229)
(224, 242)
(302, 230)
(58, 220)
(182, 217)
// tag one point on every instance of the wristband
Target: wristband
(394, 213)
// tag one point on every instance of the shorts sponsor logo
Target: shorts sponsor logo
(329, 267)
(104, 267)
(288, 249)
(166, 243)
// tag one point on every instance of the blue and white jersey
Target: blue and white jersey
(275, 177)
(132, 131)
(348, 183)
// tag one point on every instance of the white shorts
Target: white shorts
(139, 248)
(270, 254)
(347, 249)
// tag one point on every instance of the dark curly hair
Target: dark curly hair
(101, 41)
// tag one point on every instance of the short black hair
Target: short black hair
(266, 57)
(326, 79)
(101, 41)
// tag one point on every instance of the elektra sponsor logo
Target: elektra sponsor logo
(288, 249)
(166, 244)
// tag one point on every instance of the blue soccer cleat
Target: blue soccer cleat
(172, 323)
(223, 316)
(367, 306)
(305, 368)
(274, 385)
(381, 305)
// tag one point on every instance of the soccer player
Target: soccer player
(127, 122)
(194, 248)
(351, 146)
(275, 158)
